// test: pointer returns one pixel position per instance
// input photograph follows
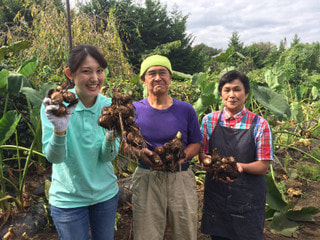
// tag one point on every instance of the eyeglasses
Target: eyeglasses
(162, 73)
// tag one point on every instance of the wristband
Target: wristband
(60, 132)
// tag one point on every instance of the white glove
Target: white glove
(60, 123)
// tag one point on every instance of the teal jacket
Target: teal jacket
(82, 172)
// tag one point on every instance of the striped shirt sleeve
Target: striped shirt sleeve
(263, 138)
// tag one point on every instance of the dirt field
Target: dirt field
(310, 195)
(307, 230)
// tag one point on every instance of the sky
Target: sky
(212, 22)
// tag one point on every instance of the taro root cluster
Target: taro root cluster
(166, 157)
(221, 167)
(119, 117)
(170, 153)
(60, 95)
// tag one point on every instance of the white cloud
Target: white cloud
(212, 22)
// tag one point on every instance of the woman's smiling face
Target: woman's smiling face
(234, 96)
(88, 79)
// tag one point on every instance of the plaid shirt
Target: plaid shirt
(241, 120)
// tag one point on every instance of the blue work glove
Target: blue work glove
(60, 124)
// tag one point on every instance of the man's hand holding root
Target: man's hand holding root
(151, 159)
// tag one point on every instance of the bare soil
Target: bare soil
(307, 230)
(307, 194)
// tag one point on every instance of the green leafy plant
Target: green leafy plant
(209, 95)
(14, 84)
(284, 219)
(272, 101)
(308, 171)
(14, 47)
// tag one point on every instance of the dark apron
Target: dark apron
(234, 210)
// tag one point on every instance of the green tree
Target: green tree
(49, 42)
(16, 17)
(237, 46)
(143, 28)
(206, 53)
(258, 52)
(283, 46)
(206, 50)
(305, 57)
(296, 40)
(273, 56)
(126, 14)
(235, 42)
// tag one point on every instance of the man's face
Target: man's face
(157, 79)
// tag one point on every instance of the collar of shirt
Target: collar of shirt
(227, 116)
(81, 107)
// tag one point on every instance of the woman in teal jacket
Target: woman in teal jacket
(84, 189)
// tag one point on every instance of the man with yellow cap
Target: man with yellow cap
(164, 198)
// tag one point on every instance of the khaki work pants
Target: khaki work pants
(164, 198)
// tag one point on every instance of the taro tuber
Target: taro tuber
(56, 98)
(171, 152)
(120, 113)
(59, 95)
(120, 116)
(167, 156)
(221, 167)
(68, 97)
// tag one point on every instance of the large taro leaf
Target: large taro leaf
(304, 214)
(272, 101)
(28, 67)
(211, 88)
(13, 48)
(315, 93)
(19, 45)
(282, 225)
(271, 79)
(203, 103)
(15, 83)
(4, 80)
(297, 112)
(181, 76)
(36, 97)
(269, 213)
(34, 117)
(298, 92)
(8, 124)
(12, 82)
(224, 56)
(33, 95)
(200, 80)
(274, 199)
(275, 77)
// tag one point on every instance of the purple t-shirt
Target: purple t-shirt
(160, 126)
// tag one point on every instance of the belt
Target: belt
(180, 168)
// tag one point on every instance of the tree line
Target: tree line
(149, 28)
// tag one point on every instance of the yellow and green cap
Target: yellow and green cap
(155, 60)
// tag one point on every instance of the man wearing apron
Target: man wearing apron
(234, 209)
